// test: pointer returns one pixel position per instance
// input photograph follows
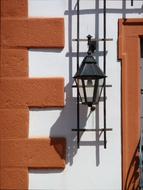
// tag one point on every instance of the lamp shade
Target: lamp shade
(89, 81)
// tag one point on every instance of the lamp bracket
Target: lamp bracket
(100, 39)
(91, 44)
(90, 130)
(107, 85)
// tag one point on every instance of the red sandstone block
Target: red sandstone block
(46, 32)
(14, 8)
(47, 153)
(129, 32)
(14, 63)
(14, 32)
(14, 179)
(23, 93)
(14, 123)
(33, 32)
(33, 153)
(13, 153)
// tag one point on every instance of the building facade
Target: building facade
(38, 104)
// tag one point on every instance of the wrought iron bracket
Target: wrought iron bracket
(92, 47)
(90, 130)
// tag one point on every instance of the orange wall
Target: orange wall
(18, 93)
(130, 31)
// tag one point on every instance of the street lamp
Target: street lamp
(89, 78)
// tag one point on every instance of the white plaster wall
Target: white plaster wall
(91, 167)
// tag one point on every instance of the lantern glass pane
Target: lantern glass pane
(90, 90)
(99, 90)
(81, 91)
(89, 87)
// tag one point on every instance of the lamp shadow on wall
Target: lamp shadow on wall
(67, 119)
(65, 122)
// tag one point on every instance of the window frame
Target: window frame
(130, 32)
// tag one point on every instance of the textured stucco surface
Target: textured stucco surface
(130, 31)
(18, 92)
